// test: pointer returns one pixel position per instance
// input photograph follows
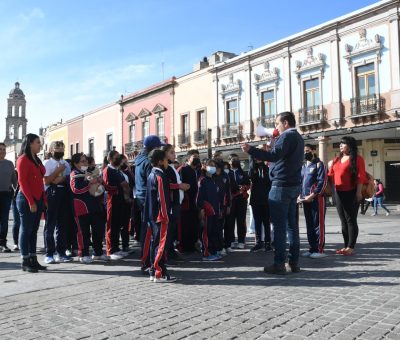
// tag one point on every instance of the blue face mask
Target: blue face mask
(226, 171)
(211, 170)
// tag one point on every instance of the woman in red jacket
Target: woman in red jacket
(348, 175)
(30, 200)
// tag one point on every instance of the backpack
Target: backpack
(368, 189)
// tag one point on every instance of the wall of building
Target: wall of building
(75, 136)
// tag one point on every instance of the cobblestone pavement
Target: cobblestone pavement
(335, 297)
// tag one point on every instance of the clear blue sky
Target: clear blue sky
(73, 56)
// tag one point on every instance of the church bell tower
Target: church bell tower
(16, 120)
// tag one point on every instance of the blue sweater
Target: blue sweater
(142, 171)
(287, 156)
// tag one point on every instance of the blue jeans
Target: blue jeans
(5, 203)
(379, 201)
(56, 220)
(282, 204)
(29, 225)
(17, 222)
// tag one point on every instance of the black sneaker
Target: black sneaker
(165, 279)
(257, 247)
(268, 248)
(275, 269)
(5, 249)
(294, 267)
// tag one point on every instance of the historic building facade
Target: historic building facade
(339, 78)
(147, 112)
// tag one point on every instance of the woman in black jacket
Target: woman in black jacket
(260, 187)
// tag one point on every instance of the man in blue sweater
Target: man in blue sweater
(286, 156)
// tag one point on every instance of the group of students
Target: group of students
(172, 208)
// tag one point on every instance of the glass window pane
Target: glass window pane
(316, 98)
(361, 86)
(371, 84)
(365, 68)
(308, 99)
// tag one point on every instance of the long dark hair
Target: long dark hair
(26, 148)
(352, 144)
(75, 159)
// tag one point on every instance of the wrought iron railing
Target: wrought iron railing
(183, 140)
(268, 122)
(200, 136)
(366, 105)
(133, 146)
(231, 130)
(311, 115)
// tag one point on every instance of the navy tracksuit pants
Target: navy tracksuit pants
(314, 213)
(56, 220)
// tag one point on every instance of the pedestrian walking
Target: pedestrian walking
(30, 200)
(348, 175)
(286, 157)
(379, 197)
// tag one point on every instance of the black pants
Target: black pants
(237, 216)
(126, 216)
(314, 213)
(261, 216)
(90, 227)
(189, 228)
(220, 233)
(347, 208)
(173, 229)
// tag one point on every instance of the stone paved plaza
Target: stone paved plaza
(335, 297)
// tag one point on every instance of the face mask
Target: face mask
(211, 170)
(196, 161)
(84, 168)
(236, 164)
(308, 156)
(226, 171)
(58, 155)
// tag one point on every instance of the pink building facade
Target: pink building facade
(75, 136)
(147, 112)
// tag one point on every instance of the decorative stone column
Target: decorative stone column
(323, 148)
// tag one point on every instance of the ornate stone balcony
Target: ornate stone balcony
(312, 115)
(366, 106)
(268, 122)
(183, 140)
(133, 146)
(200, 137)
(231, 130)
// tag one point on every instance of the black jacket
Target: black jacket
(260, 183)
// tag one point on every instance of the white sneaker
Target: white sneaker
(86, 260)
(228, 250)
(374, 214)
(68, 253)
(223, 252)
(103, 257)
(318, 255)
(152, 278)
(240, 245)
(306, 254)
(388, 213)
(15, 247)
(122, 253)
(115, 257)
(234, 245)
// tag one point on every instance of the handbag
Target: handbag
(368, 188)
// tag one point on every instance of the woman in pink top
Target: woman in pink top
(378, 198)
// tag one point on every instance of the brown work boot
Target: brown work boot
(294, 267)
(275, 269)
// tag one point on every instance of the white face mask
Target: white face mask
(226, 171)
(211, 170)
(84, 168)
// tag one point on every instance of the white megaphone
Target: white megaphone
(262, 131)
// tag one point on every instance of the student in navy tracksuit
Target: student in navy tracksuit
(240, 184)
(221, 179)
(188, 228)
(88, 213)
(157, 214)
(142, 172)
(113, 180)
(313, 199)
(260, 188)
(208, 203)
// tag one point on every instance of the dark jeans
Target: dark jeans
(29, 225)
(347, 208)
(261, 216)
(56, 220)
(90, 225)
(17, 222)
(282, 204)
(5, 203)
(314, 213)
(237, 215)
